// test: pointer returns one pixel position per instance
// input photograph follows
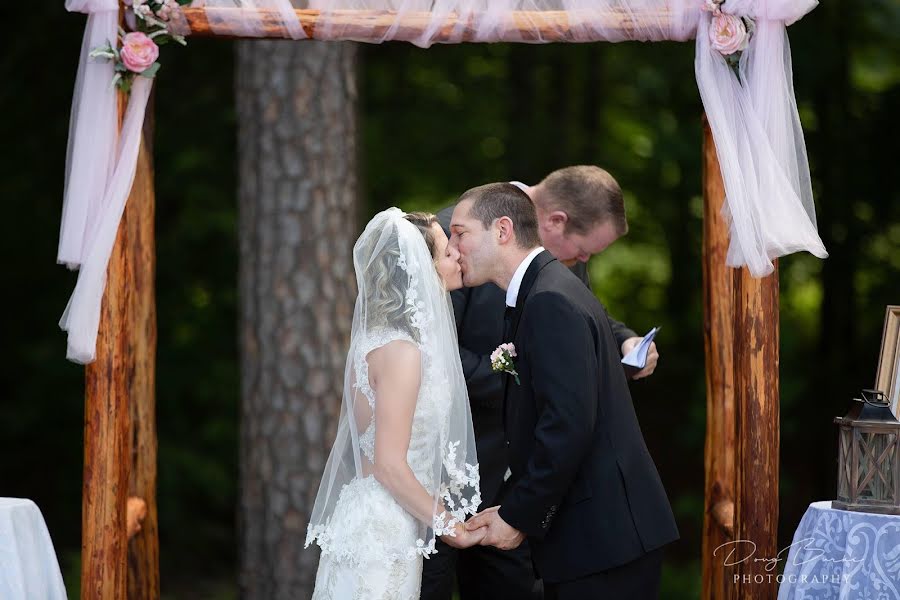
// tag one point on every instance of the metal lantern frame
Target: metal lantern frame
(869, 458)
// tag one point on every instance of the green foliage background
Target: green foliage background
(434, 123)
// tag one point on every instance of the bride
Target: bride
(403, 467)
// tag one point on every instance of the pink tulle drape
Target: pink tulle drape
(759, 141)
(100, 167)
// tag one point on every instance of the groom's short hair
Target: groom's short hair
(496, 200)
(589, 195)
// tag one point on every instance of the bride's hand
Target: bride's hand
(465, 538)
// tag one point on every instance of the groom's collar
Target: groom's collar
(512, 292)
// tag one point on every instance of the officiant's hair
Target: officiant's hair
(496, 200)
(589, 195)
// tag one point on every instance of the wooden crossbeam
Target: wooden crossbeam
(374, 26)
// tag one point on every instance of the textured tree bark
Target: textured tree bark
(297, 133)
(718, 335)
(119, 425)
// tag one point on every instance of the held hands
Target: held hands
(652, 356)
(497, 532)
(464, 538)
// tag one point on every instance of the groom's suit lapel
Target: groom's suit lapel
(514, 315)
(540, 261)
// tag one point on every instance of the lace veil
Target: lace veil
(401, 297)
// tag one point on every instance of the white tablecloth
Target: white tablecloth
(843, 555)
(28, 566)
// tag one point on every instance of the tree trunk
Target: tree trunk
(297, 132)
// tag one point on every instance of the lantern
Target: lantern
(869, 456)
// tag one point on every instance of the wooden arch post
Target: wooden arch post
(740, 327)
(120, 413)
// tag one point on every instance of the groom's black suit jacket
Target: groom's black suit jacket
(479, 326)
(584, 488)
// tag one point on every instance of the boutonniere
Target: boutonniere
(502, 360)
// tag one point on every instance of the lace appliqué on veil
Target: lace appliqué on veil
(458, 478)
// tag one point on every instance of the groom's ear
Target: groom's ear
(503, 228)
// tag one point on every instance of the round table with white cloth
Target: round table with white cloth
(843, 555)
(28, 566)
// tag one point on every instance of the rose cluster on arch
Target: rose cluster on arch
(136, 52)
(728, 34)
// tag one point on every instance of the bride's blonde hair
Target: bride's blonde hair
(386, 280)
(424, 222)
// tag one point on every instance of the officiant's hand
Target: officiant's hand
(500, 534)
(464, 538)
(652, 356)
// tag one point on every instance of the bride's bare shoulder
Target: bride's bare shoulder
(394, 358)
(394, 354)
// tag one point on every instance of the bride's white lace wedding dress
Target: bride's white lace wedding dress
(371, 547)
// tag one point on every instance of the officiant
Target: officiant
(581, 212)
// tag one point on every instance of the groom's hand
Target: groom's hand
(464, 538)
(500, 534)
(652, 356)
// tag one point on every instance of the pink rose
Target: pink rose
(727, 33)
(138, 52)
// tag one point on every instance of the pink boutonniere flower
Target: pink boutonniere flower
(502, 360)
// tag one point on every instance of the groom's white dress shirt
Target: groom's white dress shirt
(512, 292)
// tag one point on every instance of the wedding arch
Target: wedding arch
(758, 206)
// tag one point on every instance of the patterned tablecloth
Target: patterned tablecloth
(839, 554)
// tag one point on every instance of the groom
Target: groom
(583, 487)
(580, 211)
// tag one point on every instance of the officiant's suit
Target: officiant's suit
(483, 571)
(583, 489)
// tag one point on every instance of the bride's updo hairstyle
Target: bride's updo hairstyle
(424, 221)
(383, 279)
